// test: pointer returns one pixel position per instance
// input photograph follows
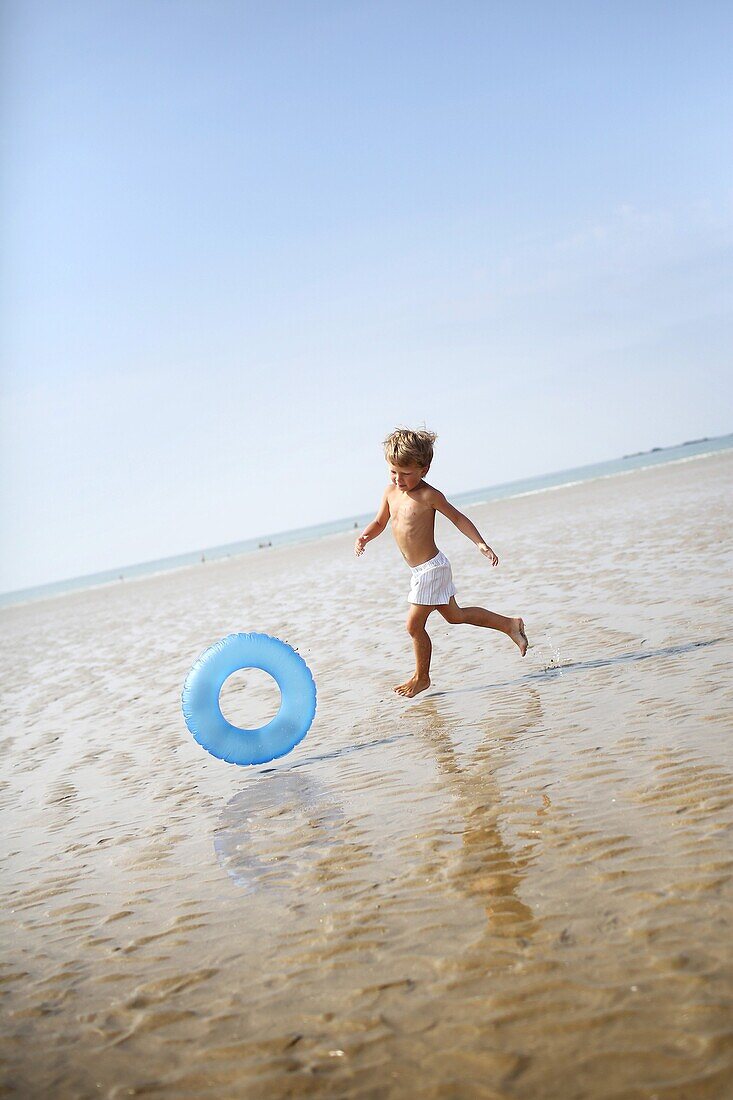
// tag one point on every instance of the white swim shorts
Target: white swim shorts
(432, 582)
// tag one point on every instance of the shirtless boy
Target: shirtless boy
(410, 503)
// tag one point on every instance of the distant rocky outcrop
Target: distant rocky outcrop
(687, 443)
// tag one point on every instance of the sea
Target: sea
(539, 484)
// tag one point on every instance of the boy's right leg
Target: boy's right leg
(479, 616)
(416, 619)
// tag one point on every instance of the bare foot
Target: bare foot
(517, 635)
(412, 687)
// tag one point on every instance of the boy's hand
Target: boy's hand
(488, 553)
(359, 545)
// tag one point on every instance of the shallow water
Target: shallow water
(517, 885)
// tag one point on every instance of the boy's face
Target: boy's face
(406, 477)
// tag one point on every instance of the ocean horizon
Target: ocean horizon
(539, 483)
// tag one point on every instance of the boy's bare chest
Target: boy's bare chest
(409, 514)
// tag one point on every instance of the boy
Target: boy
(410, 503)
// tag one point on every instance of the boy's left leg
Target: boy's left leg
(416, 619)
(479, 616)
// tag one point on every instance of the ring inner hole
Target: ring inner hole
(249, 698)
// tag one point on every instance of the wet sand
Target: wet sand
(517, 885)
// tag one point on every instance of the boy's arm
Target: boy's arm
(375, 528)
(463, 524)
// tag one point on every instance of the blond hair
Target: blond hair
(407, 448)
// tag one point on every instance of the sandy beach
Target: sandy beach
(517, 885)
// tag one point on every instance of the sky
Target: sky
(244, 241)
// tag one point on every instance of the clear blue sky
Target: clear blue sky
(243, 241)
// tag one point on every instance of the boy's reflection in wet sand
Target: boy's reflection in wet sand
(488, 870)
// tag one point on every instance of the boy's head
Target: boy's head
(409, 455)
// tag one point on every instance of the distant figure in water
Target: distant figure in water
(410, 503)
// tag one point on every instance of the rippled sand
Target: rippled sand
(517, 885)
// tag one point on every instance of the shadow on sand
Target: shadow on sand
(556, 672)
(546, 675)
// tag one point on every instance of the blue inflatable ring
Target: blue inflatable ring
(200, 699)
